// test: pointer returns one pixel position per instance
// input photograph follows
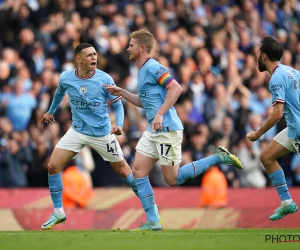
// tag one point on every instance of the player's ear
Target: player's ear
(78, 59)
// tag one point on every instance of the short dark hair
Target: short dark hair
(82, 46)
(272, 48)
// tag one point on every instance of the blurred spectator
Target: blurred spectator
(117, 60)
(85, 162)
(214, 189)
(37, 172)
(4, 75)
(252, 174)
(18, 106)
(13, 162)
(219, 105)
(77, 188)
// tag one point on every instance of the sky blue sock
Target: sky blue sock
(195, 168)
(56, 188)
(131, 182)
(279, 183)
(146, 196)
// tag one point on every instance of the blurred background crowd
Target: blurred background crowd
(209, 46)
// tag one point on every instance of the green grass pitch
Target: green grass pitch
(206, 239)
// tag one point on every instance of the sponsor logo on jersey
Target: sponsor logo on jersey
(161, 71)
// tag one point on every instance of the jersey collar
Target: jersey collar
(83, 78)
(145, 62)
(277, 66)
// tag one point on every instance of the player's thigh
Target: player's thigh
(106, 146)
(280, 146)
(59, 158)
(66, 148)
(142, 164)
(72, 141)
(168, 146)
(146, 156)
(147, 146)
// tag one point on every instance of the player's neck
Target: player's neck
(83, 73)
(142, 60)
(272, 67)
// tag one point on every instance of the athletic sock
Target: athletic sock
(279, 183)
(60, 211)
(195, 168)
(146, 196)
(56, 188)
(132, 183)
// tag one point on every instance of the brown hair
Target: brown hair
(145, 38)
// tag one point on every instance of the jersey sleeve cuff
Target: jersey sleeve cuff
(278, 101)
(116, 99)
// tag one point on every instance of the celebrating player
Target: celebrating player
(90, 124)
(157, 93)
(285, 88)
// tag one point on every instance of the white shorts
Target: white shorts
(165, 146)
(284, 140)
(106, 146)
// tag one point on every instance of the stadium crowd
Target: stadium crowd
(209, 46)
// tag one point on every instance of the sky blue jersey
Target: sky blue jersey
(152, 81)
(87, 99)
(285, 88)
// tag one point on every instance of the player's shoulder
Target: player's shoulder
(279, 72)
(103, 75)
(67, 73)
(285, 69)
(155, 67)
(101, 72)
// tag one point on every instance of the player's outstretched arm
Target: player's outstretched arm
(114, 90)
(273, 119)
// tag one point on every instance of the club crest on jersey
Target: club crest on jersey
(83, 89)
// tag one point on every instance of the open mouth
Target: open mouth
(93, 63)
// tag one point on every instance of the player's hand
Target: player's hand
(47, 118)
(117, 130)
(114, 90)
(157, 123)
(252, 136)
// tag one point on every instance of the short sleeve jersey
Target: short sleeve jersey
(285, 88)
(152, 81)
(87, 99)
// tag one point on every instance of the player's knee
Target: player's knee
(264, 159)
(137, 173)
(171, 182)
(52, 168)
